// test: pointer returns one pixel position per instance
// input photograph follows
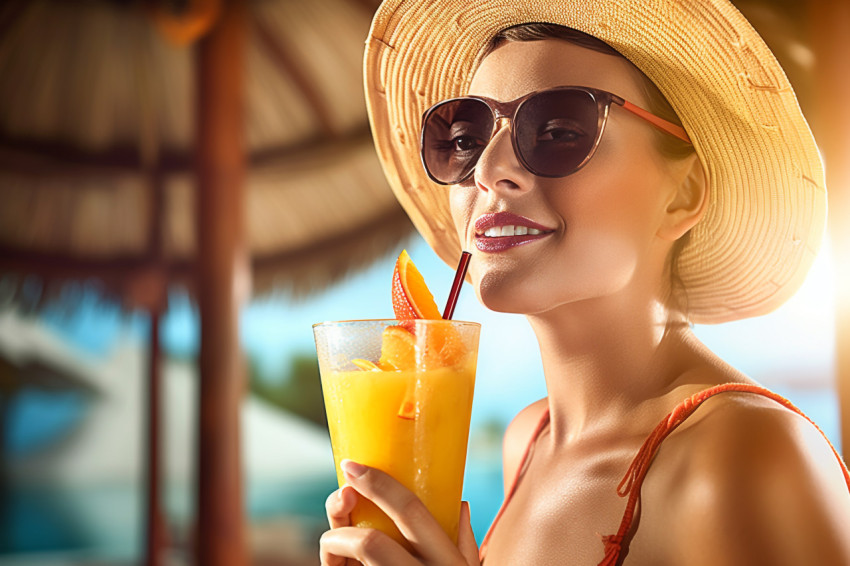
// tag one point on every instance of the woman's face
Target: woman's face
(598, 225)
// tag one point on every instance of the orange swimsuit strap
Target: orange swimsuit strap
(631, 484)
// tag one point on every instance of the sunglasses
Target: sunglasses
(555, 131)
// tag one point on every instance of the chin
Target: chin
(499, 293)
(510, 291)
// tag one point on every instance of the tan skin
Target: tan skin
(743, 481)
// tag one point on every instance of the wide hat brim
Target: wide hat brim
(767, 202)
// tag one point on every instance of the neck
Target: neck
(600, 366)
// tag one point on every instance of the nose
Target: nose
(498, 169)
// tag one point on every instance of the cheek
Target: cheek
(604, 244)
(614, 206)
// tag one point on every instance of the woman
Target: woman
(591, 210)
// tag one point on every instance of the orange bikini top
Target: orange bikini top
(632, 481)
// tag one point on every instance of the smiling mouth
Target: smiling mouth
(503, 230)
(509, 230)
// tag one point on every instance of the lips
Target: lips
(502, 231)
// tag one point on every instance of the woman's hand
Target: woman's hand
(371, 547)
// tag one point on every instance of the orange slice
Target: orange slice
(444, 347)
(411, 297)
(413, 300)
(365, 365)
(398, 352)
(407, 410)
(398, 349)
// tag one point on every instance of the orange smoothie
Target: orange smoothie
(398, 397)
(426, 453)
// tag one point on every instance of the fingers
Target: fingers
(407, 511)
(369, 546)
(344, 544)
(465, 537)
(339, 506)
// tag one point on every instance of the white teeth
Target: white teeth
(497, 231)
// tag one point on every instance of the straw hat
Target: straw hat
(767, 207)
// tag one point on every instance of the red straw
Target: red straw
(453, 294)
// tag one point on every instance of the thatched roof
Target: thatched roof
(96, 156)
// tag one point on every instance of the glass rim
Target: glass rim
(393, 321)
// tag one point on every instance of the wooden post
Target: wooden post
(155, 529)
(830, 31)
(223, 283)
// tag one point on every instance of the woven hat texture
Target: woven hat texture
(767, 201)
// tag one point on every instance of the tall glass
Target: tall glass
(398, 396)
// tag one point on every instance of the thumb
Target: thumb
(466, 538)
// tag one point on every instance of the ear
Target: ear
(688, 199)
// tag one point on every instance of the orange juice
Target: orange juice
(412, 423)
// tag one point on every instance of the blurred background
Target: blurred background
(173, 166)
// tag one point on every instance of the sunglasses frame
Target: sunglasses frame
(509, 110)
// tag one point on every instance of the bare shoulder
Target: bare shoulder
(517, 436)
(754, 482)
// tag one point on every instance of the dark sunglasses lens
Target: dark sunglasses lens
(454, 136)
(556, 131)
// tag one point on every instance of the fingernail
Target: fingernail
(352, 469)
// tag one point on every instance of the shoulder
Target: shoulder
(518, 435)
(758, 483)
(745, 437)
